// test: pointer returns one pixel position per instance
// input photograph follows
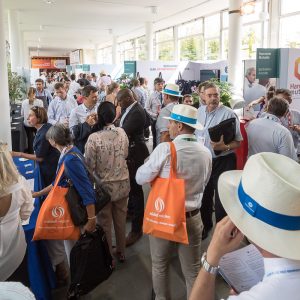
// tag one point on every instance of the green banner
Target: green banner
(130, 68)
(86, 68)
(267, 63)
(78, 67)
(69, 68)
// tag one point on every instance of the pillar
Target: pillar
(176, 44)
(96, 54)
(235, 67)
(149, 40)
(5, 130)
(114, 51)
(273, 30)
(14, 40)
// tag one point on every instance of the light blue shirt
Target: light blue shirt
(80, 113)
(211, 119)
(59, 110)
(141, 95)
(266, 134)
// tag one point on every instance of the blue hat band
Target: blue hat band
(267, 216)
(175, 93)
(183, 119)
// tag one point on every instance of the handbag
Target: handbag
(77, 209)
(54, 221)
(164, 215)
(90, 263)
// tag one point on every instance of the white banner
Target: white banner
(293, 77)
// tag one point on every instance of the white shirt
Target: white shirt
(154, 104)
(253, 91)
(126, 112)
(15, 291)
(266, 134)
(281, 281)
(292, 118)
(59, 110)
(80, 113)
(74, 87)
(26, 108)
(194, 164)
(12, 238)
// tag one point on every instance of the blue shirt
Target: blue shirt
(76, 171)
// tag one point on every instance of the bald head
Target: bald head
(125, 98)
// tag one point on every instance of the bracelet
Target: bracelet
(92, 218)
(207, 267)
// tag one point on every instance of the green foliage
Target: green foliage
(166, 51)
(16, 85)
(213, 49)
(124, 81)
(225, 90)
(188, 49)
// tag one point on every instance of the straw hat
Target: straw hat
(172, 89)
(263, 201)
(185, 114)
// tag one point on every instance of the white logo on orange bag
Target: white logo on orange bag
(58, 212)
(159, 205)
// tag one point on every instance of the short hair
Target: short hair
(9, 174)
(87, 90)
(210, 85)
(58, 85)
(125, 93)
(66, 79)
(186, 96)
(278, 106)
(135, 82)
(187, 127)
(39, 80)
(202, 84)
(111, 87)
(250, 70)
(283, 91)
(158, 80)
(60, 134)
(142, 80)
(40, 113)
(73, 77)
(31, 91)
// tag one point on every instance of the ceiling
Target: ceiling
(74, 24)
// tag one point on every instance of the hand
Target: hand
(296, 128)
(35, 194)
(226, 238)
(90, 120)
(220, 145)
(90, 226)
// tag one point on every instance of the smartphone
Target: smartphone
(228, 282)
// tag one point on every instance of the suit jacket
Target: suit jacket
(134, 124)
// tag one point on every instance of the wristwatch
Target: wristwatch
(207, 267)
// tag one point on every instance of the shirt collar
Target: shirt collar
(185, 136)
(86, 109)
(271, 117)
(131, 106)
(213, 111)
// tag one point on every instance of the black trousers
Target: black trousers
(21, 273)
(219, 165)
(153, 130)
(30, 133)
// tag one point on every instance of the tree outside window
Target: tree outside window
(190, 48)
(212, 49)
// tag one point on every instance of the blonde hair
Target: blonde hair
(110, 88)
(9, 174)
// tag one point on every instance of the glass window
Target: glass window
(191, 28)
(141, 48)
(164, 35)
(212, 48)
(165, 51)
(254, 16)
(191, 48)
(225, 44)
(225, 19)
(251, 39)
(289, 32)
(212, 26)
(289, 6)
(105, 55)
(126, 50)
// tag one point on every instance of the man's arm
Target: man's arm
(286, 146)
(49, 97)
(226, 238)
(148, 107)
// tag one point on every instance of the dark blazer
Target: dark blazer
(134, 124)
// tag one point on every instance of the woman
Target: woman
(15, 205)
(27, 104)
(106, 151)
(60, 138)
(44, 154)
(111, 96)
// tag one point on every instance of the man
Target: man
(252, 90)
(266, 134)
(42, 94)
(171, 96)
(133, 121)
(194, 166)
(67, 83)
(139, 92)
(201, 87)
(154, 104)
(210, 115)
(50, 84)
(60, 108)
(90, 80)
(144, 85)
(292, 119)
(273, 228)
(74, 86)
(84, 117)
(188, 99)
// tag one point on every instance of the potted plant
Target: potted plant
(16, 85)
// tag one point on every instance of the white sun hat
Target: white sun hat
(172, 89)
(263, 201)
(185, 114)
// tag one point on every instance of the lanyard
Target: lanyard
(189, 139)
(282, 272)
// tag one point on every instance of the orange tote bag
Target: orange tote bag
(164, 215)
(54, 221)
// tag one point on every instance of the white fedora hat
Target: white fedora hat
(185, 114)
(172, 89)
(263, 201)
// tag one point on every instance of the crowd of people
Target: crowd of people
(91, 125)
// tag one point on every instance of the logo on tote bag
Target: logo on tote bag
(159, 205)
(58, 211)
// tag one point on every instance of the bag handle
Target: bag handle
(173, 162)
(59, 174)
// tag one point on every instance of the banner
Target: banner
(76, 57)
(293, 77)
(267, 63)
(48, 63)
